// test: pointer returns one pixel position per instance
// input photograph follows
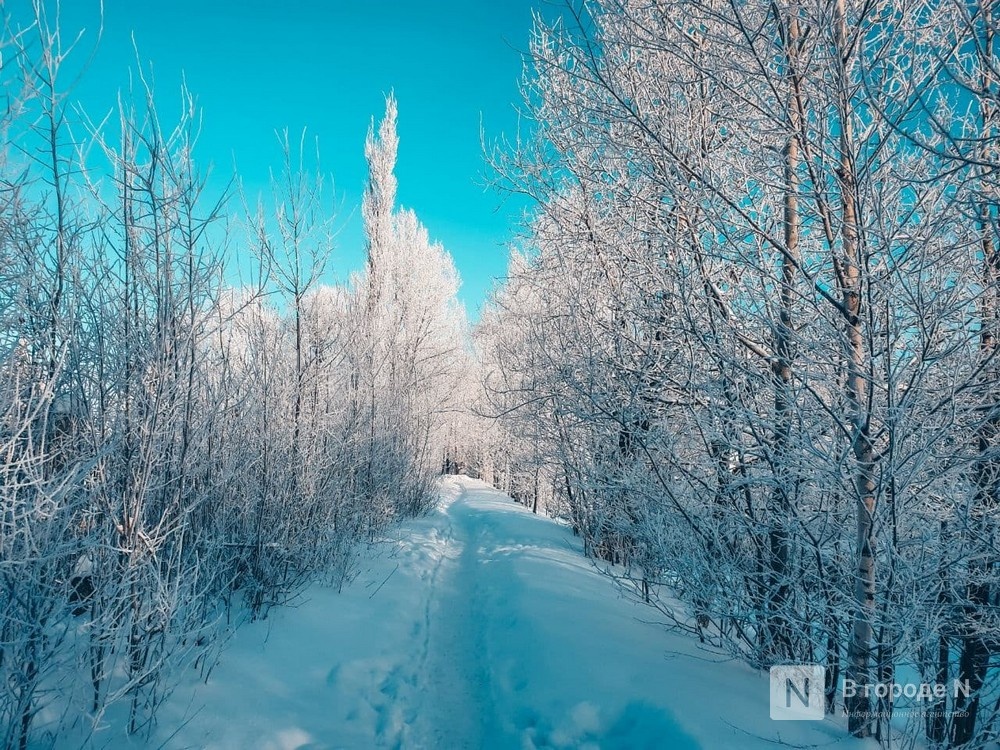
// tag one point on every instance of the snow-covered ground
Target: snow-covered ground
(483, 627)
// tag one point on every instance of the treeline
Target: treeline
(750, 347)
(180, 454)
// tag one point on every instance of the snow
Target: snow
(480, 626)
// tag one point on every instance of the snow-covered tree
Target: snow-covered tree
(414, 339)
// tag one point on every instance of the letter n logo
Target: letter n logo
(797, 692)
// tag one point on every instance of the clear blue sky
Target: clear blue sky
(257, 66)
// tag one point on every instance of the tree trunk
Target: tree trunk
(779, 642)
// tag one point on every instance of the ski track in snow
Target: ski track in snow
(484, 628)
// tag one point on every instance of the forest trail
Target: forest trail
(482, 627)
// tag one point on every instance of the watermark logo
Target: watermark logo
(797, 692)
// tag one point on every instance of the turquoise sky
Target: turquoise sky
(257, 66)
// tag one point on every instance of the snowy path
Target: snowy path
(457, 708)
(483, 628)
